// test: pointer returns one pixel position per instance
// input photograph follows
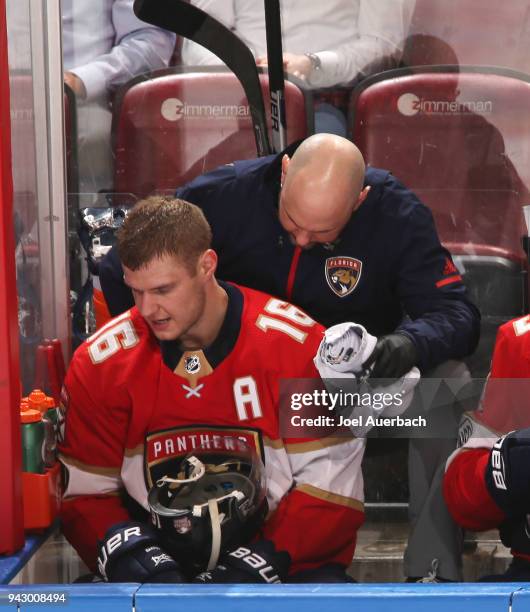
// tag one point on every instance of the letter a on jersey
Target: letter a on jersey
(343, 274)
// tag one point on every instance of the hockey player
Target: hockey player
(487, 481)
(194, 364)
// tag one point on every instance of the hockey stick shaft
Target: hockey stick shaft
(273, 25)
(191, 22)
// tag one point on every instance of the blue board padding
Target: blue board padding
(334, 598)
(281, 598)
(81, 597)
(10, 565)
(521, 599)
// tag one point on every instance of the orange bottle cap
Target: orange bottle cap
(24, 404)
(49, 402)
(37, 399)
(30, 416)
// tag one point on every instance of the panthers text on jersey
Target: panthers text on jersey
(132, 405)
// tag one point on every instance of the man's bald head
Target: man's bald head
(322, 184)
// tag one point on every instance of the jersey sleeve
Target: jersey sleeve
(465, 491)
(317, 521)
(91, 449)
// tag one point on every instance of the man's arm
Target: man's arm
(444, 323)
(317, 521)
(138, 48)
(382, 29)
(466, 494)
(91, 450)
(466, 491)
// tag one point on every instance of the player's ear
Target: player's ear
(285, 164)
(362, 197)
(207, 264)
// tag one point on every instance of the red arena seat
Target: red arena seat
(461, 141)
(181, 122)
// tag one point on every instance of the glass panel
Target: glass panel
(39, 207)
(28, 258)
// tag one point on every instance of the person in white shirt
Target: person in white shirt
(105, 45)
(325, 43)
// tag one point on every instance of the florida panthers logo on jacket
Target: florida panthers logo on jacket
(343, 274)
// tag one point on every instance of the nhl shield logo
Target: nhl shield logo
(192, 364)
(343, 274)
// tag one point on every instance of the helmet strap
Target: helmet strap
(197, 471)
(216, 534)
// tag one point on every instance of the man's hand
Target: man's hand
(255, 563)
(393, 356)
(75, 84)
(298, 65)
(508, 473)
(129, 552)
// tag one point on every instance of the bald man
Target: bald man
(322, 186)
(313, 226)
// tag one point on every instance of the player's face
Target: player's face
(168, 296)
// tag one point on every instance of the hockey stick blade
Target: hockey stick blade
(273, 26)
(191, 22)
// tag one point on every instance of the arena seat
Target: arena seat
(181, 122)
(480, 33)
(460, 139)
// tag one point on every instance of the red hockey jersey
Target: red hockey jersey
(132, 403)
(505, 406)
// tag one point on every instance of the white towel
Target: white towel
(343, 350)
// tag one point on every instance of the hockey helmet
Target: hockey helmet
(215, 502)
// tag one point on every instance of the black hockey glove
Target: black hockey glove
(508, 473)
(129, 552)
(393, 356)
(255, 563)
(515, 534)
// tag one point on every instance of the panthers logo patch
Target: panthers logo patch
(343, 274)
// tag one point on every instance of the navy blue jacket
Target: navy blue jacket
(387, 271)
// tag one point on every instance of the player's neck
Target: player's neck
(204, 333)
